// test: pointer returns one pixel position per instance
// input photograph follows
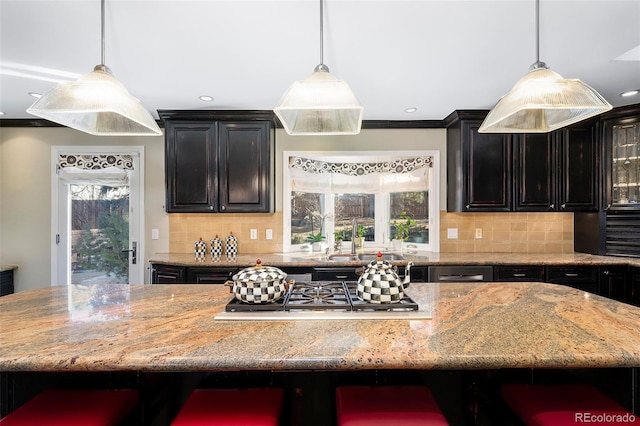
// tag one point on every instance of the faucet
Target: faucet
(354, 233)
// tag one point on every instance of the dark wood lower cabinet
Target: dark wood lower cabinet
(208, 275)
(580, 277)
(6, 282)
(168, 274)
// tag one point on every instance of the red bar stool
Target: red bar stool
(74, 407)
(564, 404)
(387, 406)
(231, 407)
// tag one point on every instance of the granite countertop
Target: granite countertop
(7, 267)
(418, 258)
(173, 328)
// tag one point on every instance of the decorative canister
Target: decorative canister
(231, 245)
(380, 282)
(259, 284)
(200, 248)
(216, 247)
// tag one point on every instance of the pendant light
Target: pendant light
(543, 101)
(320, 104)
(96, 103)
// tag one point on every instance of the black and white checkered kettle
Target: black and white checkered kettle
(259, 284)
(380, 283)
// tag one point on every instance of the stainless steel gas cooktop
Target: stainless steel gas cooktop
(322, 300)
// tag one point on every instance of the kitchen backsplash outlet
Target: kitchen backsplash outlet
(185, 228)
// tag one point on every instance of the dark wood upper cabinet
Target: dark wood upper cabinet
(245, 161)
(557, 171)
(478, 165)
(191, 166)
(535, 171)
(219, 161)
(578, 167)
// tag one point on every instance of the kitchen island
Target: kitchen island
(173, 328)
(165, 339)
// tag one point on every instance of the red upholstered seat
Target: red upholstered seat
(387, 405)
(231, 407)
(564, 404)
(74, 407)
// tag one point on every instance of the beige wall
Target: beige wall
(25, 196)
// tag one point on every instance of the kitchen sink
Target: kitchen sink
(366, 257)
(343, 257)
(386, 256)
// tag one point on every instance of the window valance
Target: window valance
(404, 165)
(95, 169)
(96, 161)
(390, 175)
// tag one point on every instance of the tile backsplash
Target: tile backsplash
(508, 232)
(501, 232)
(186, 228)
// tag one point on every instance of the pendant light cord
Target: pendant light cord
(537, 64)
(102, 31)
(321, 33)
(537, 30)
(321, 66)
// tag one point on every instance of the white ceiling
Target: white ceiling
(436, 55)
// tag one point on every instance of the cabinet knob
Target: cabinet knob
(223, 207)
(608, 207)
(552, 206)
(606, 272)
(210, 207)
(467, 206)
(562, 206)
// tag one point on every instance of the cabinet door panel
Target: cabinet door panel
(534, 173)
(191, 160)
(245, 167)
(579, 169)
(489, 177)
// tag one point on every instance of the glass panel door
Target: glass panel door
(99, 234)
(626, 164)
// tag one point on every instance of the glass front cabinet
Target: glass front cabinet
(622, 156)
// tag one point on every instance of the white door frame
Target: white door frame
(59, 213)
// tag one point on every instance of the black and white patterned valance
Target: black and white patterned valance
(96, 161)
(400, 166)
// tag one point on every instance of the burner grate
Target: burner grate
(318, 295)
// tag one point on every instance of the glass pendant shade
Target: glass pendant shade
(543, 101)
(320, 105)
(98, 104)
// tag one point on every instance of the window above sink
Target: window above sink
(324, 191)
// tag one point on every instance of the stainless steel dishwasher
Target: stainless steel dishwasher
(460, 274)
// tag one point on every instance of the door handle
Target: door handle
(134, 252)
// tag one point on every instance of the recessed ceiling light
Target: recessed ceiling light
(1, 113)
(35, 94)
(630, 93)
(205, 98)
(410, 110)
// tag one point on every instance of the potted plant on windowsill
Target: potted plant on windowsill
(316, 241)
(403, 225)
(359, 239)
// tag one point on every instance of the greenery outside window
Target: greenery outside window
(325, 191)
